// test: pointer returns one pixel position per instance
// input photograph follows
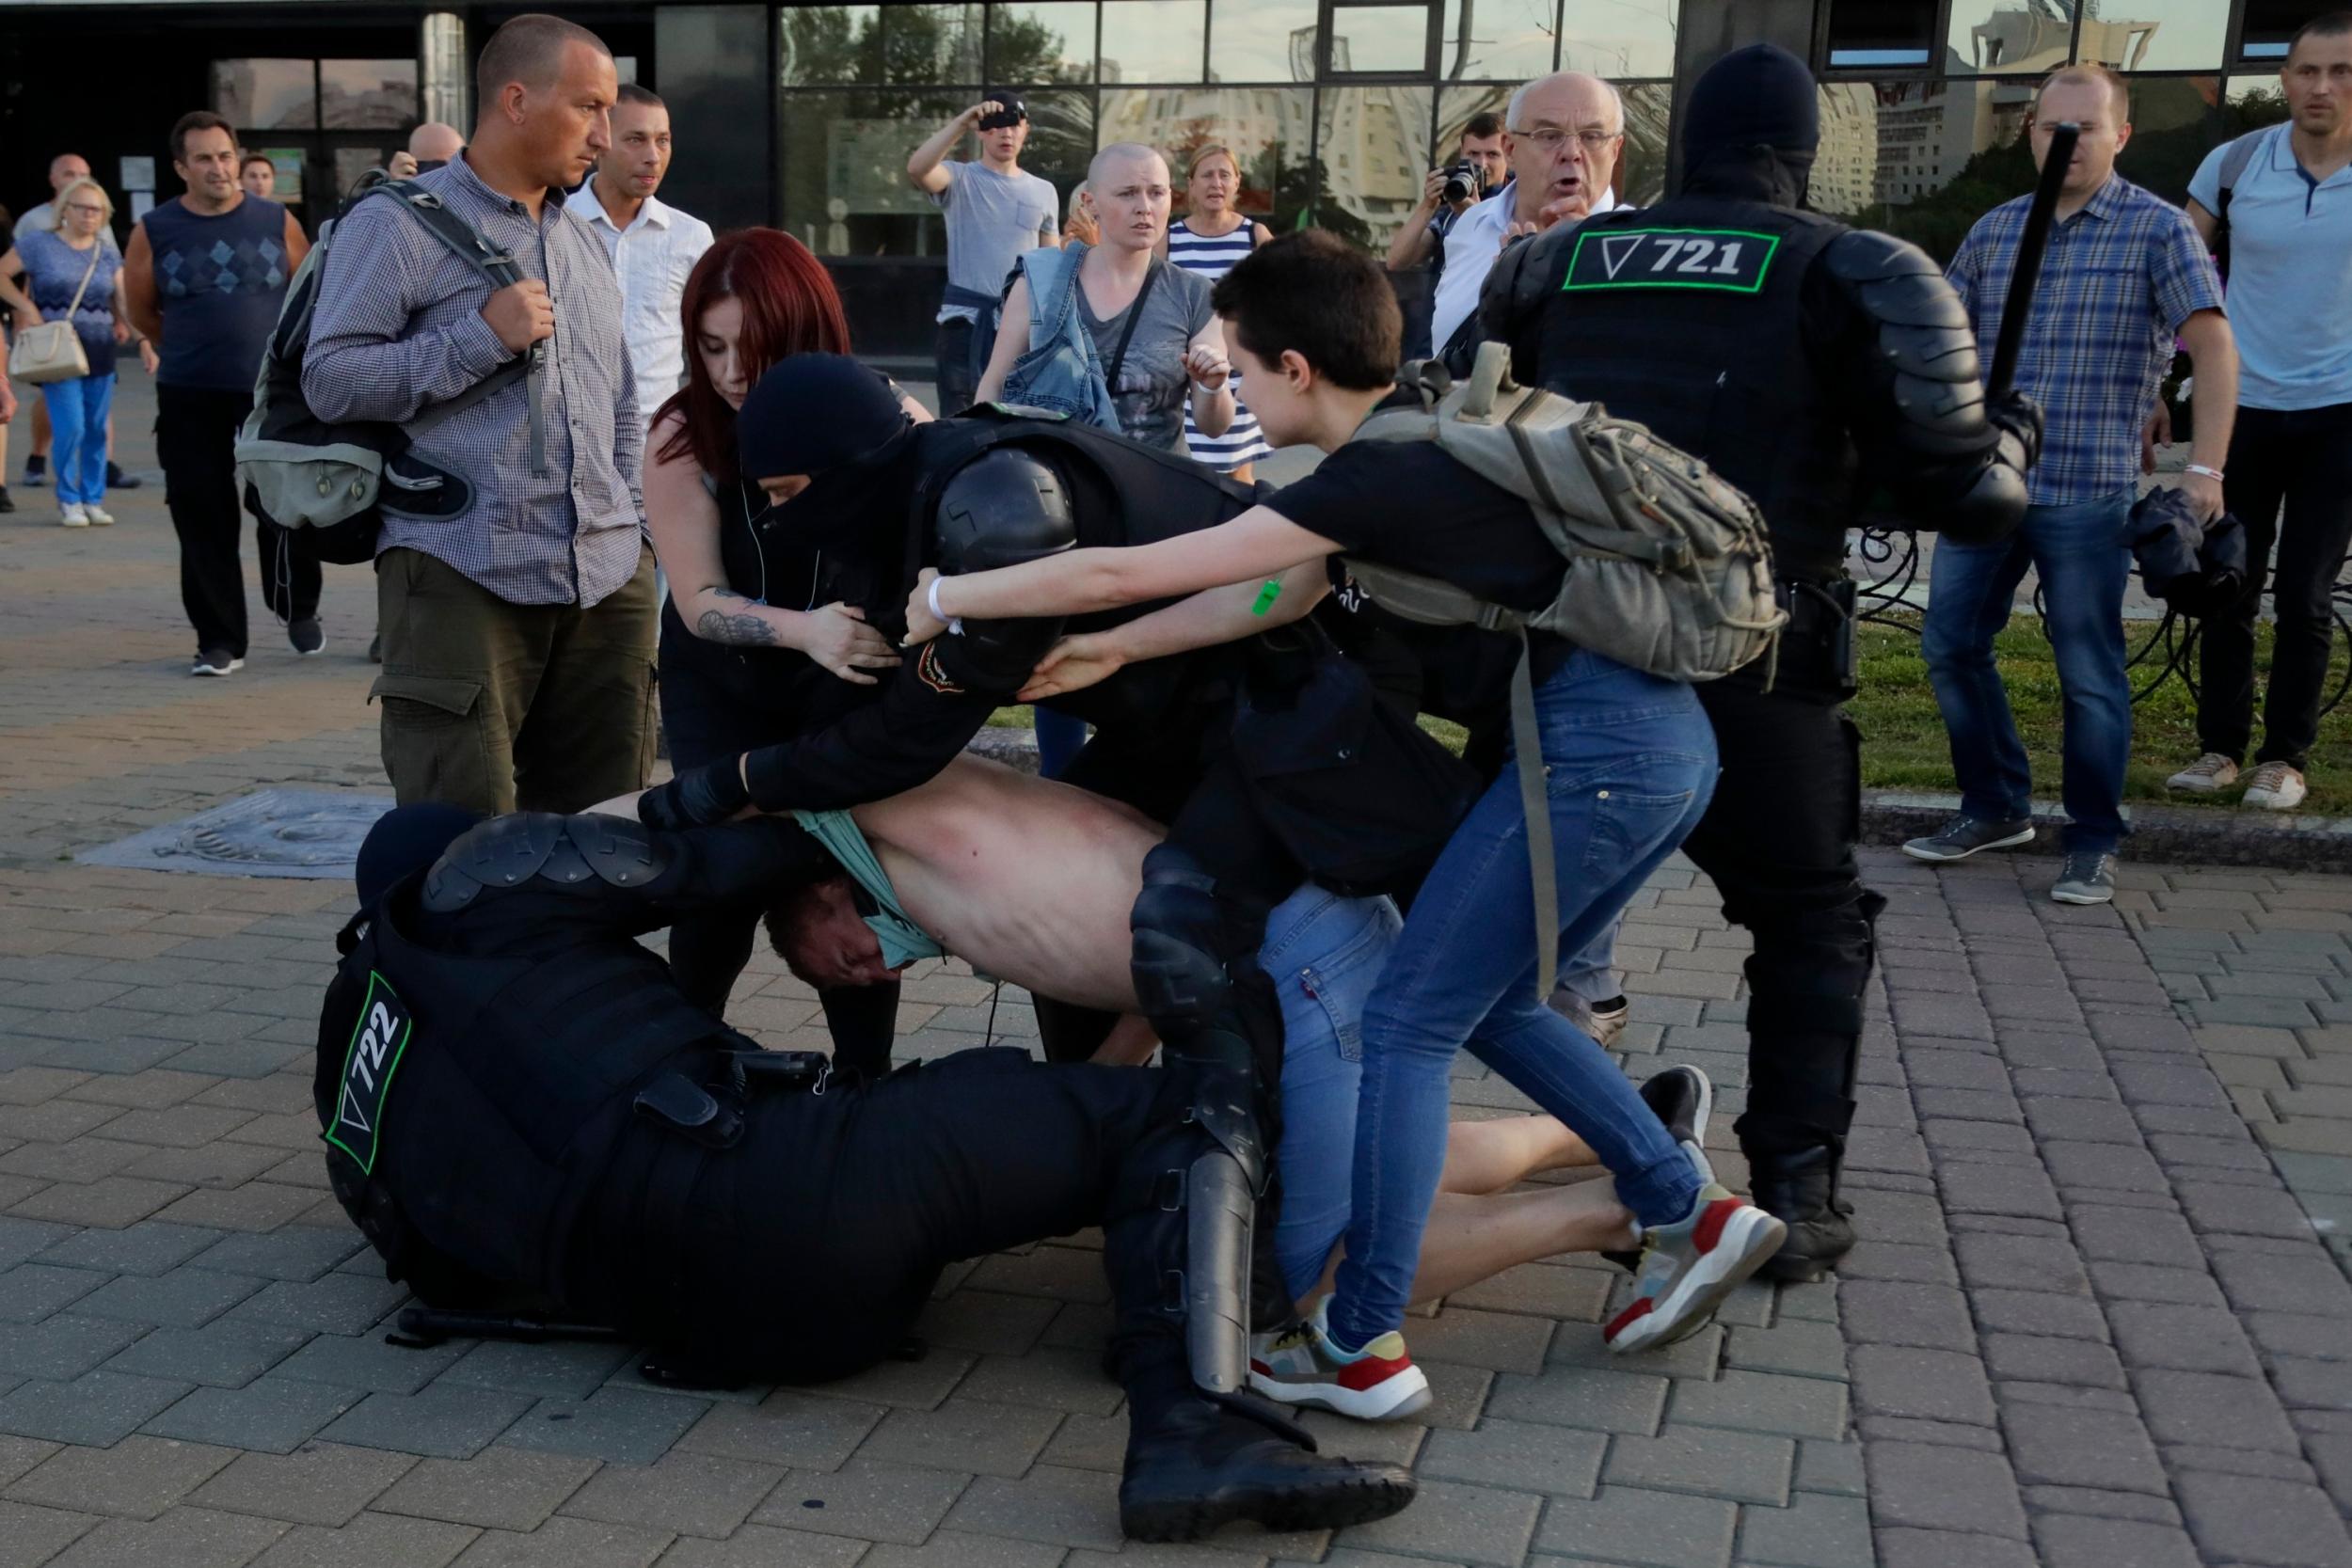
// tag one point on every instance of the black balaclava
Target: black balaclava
(1755, 110)
(812, 413)
(406, 839)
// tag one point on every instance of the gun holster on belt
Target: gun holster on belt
(711, 1115)
(1820, 657)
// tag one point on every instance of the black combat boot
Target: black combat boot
(1196, 1462)
(1799, 1187)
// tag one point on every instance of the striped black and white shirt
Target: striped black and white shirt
(1212, 256)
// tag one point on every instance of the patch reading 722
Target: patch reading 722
(1731, 259)
(377, 1044)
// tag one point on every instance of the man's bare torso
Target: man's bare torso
(1024, 878)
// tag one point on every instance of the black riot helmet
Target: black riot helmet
(1004, 507)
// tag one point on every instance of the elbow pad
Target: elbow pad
(1991, 508)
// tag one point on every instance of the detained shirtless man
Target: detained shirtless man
(1030, 881)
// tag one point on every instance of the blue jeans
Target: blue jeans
(1630, 765)
(1591, 976)
(2078, 551)
(77, 426)
(1323, 952)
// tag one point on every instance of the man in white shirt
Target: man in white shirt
(653, 245)
(1563, 137)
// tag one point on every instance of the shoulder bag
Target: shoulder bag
(52, 350)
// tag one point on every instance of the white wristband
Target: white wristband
(2213, 474)
(930, 601)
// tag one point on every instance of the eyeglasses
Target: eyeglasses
(1551, 138)
(86, 207)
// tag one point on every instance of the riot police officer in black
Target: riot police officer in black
(1806, 362)
(519, 1100)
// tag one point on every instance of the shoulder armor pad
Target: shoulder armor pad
(504, 852)
(1895, 282)
(1519, 282)
(620, 852)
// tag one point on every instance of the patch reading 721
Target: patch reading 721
(1731, 259)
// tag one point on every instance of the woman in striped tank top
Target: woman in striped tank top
(1209, 239)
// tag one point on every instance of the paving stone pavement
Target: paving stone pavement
(2095, 1319)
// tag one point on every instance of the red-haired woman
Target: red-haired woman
(758, 635)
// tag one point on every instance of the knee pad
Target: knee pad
(1182, 943)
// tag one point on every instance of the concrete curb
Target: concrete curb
(2171, 835)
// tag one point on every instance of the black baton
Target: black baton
(2031, 245)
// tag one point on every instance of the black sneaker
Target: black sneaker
(214, 662)
(118, 480)
(308, 637)
(1683, 1097)
(36, 471)
(1963, 835)
(5, 504)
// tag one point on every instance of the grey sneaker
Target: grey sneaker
(2087, 877)
(1963, 835)
(2208, 773)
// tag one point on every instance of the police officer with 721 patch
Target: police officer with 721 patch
(1806, 362)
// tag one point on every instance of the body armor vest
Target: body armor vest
(1688, 318)
(469, 1103)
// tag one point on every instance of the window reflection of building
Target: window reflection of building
(864, 84)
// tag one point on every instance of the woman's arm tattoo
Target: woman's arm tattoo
(744, 629)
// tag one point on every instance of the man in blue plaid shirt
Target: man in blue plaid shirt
(2124, 277)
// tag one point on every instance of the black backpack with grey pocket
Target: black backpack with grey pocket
(301, 471)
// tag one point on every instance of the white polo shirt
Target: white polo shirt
(652, 258)
(1470, 249)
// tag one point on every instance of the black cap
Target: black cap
(1759, 96)
(815, 412)
(1013, 112)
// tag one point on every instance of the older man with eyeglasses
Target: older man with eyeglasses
(1562, 139)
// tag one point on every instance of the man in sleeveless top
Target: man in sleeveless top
(205, 276)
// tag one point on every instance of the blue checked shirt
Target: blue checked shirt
(2117, 280)
(399, 328)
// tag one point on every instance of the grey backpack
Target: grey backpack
(301, 471)
(1669, 568)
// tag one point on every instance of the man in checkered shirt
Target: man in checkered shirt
(2124, 277)
(515, 596)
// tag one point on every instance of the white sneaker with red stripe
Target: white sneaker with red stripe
(1689, 1267)
(1301, 1366)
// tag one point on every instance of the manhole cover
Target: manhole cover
(272, 833)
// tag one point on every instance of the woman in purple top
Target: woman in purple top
(69, 270)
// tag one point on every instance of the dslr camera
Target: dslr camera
(1464, 183)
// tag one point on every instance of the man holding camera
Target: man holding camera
(995, 210)
(1478, 168)
(1561, 140)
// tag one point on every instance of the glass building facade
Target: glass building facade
(802, 116)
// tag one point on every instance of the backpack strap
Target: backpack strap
(2236, 159)
(497, 268)
(1535, 806)
(1435, 602)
